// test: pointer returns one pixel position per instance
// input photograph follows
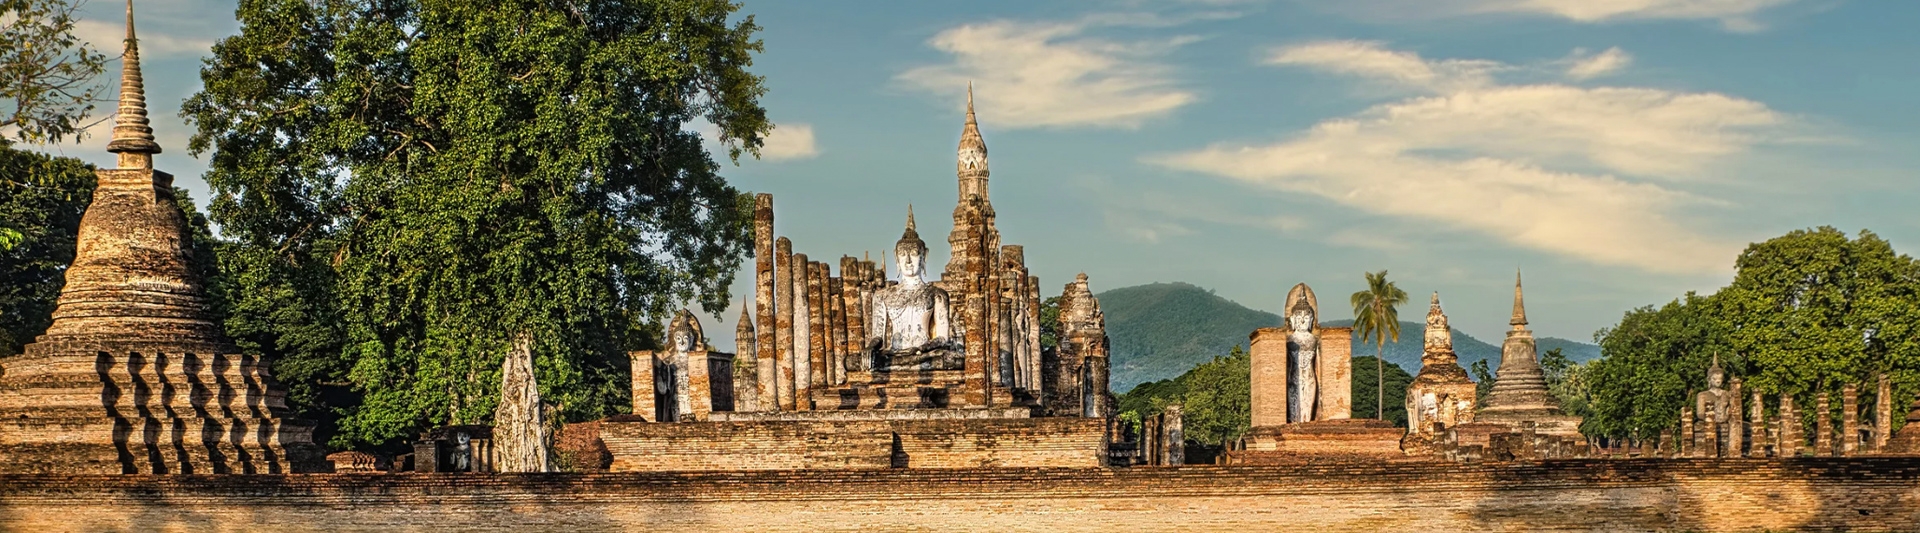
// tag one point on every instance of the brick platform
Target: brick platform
(1591, 495)
(827, 443)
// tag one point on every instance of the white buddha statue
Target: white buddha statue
(909, 326)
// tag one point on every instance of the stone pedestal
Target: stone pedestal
(1321, 440)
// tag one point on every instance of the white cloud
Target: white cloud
(1371, 59)
(1733, 15)
(1588, 173)
(1586, 67)
(108, 37)
(789, 141)
(1028, 75)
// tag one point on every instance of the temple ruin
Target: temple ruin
(1441, 395)
(849, 368)
(1520, 393)
(134, 375)
(1302, 405)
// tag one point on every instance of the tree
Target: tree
(46, 73)
(1395, 385)
(1567, 382)
(1482, 381)
(1217, 406)
(1376, 316)
(456, 173)
(34, 268)
(1651, 360)
(1812, 310)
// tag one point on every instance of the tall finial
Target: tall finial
(970, 102)
(910, 239)
(909, 217)
(1519, 304)
(132, 136)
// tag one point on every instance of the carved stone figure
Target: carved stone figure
(1714, 404)
(908, 327)
(1303, 346)
(681, 338)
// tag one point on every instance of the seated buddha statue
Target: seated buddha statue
(908, 328)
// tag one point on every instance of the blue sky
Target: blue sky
(1621, 152)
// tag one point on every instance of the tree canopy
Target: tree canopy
(1807, 312)
(414, 183)
(47, 74)
(48, 212)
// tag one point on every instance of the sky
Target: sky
(1618, 152)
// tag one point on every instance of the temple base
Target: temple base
(1352, 439)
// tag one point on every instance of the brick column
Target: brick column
(699, 386)
(1849, 419)
(642, 373)
(790, 269)
(1822, 426)
(1882, 413)
(1689, 440)
(1268, 359)
(1791, 441)
(835, 301)
(1757, 427)
(763, 301)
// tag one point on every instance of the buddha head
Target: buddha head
(910, 254)
(683, 332)
(1300, 317)
(1715, 376)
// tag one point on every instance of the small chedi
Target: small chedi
(1302, 394)
(1519, 397)
(855, 370)
(134, 375)
(1441, 396)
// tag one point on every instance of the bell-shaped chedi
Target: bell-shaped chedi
(134, 376)
(1520, 386)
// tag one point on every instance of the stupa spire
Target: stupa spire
(132, 134)
(1519, 320)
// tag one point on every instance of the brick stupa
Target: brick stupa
(1442, 396)
(134, 376)
(1520, 386)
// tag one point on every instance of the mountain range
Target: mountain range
(1158, 331)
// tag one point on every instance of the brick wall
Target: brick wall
(1877, 494)
(839, 444)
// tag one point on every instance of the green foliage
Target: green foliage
(1567, 382)
(1396, 381)
(1807, 312)
(1654, 357)
(1215, 399)
(1217, 407)
(46, 72)
(1376, 318)
(414, 183)
(1482, 381)
(47, 211)
(1050, 324)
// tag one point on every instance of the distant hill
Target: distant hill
(1160, 330)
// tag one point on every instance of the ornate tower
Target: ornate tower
(134, 376)
(970, 277)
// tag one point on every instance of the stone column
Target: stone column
(699, 385)
(977, 389)
(1882, 413)
(1710, 444)
(1822, 426)
(763, 300)
(643, 393)
(1689, 440)
(836, 325)
(792, 268)
(1736, 422)
(1336, 374)
(820, 340)
(1035, 381)
(1849, 420)
(1791, 441)
(1176, 438)
(1757, 427)
(853, 277)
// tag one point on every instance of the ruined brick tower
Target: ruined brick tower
(134, 375)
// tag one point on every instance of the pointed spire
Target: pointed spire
(910, 237)
(1436, 300)
(131, 132)
(969, 101)
(910, 217)
(1519, 304)
(746, 316)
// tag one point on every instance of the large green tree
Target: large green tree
(47, 89)
(422, 180)
(1376, 318)
(48, 212)
(1807, 312)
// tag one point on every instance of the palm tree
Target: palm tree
(1375, 317)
